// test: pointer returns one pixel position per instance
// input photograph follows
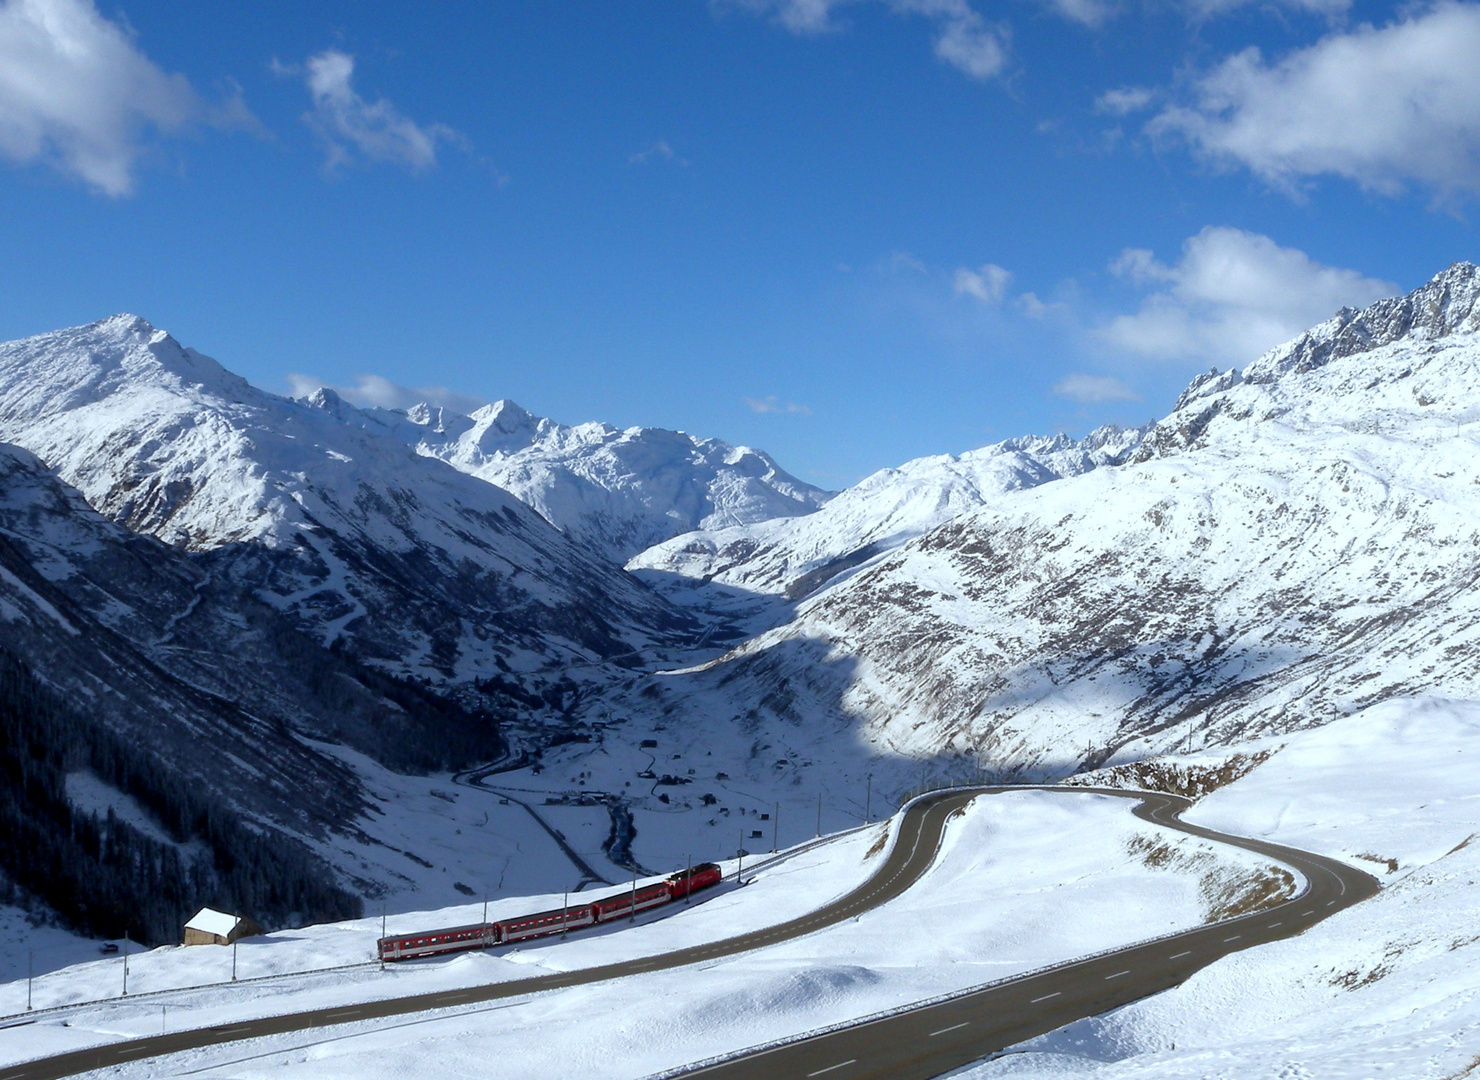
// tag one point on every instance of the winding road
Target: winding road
(916, 1043)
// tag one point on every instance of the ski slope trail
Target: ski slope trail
(921, 1041)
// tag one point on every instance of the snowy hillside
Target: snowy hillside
(1388, 988)
(794, 557)
(1297, 544)
(618, 490)
(413, 565)
(136, 630)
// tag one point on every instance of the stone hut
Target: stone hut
(210, 927)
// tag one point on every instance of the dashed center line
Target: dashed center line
(1045, 997)
(953, 1027)
(1184, 952)
(1234, 938)
(1117, 975)
(830, 1068)
(1274, 924)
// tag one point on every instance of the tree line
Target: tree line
(103, 876)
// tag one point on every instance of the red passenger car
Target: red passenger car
(546, 922)
(433, 942)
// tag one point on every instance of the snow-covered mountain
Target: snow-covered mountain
(794, 557)
(1291, 544)
(618, 490)
(409, 563)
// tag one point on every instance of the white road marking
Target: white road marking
(954, 1027)
(1234, 938)
(1185, 952)
(830, 1068)
(1117, 975)
(1045, 997)
(1274, 924)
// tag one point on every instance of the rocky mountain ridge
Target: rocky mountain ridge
(618, 490)
(404, 561)
(794, 557)
(1293, 543)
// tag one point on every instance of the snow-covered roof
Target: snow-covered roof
(208, 921)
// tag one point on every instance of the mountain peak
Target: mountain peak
(1449, 303)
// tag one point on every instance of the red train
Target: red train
(544, 923)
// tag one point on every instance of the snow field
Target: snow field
(1388, 988)
(1023, 880)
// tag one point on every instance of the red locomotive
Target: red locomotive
(544, 923)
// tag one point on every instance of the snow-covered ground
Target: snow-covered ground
(1390, 987)
(1022, 880)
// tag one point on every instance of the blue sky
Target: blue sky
(848, 231)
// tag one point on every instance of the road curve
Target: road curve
(905, 1045)
(929, 1040)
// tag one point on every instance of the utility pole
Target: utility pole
(688, 877)
(485, 907)
(632, 910)
(740, 857)
(868, 795)
(30, 974)
(233, 961)
(125, 963)
(819, 814)
(381, 948)
(163, 1018)
(564, 912)
(776, 831)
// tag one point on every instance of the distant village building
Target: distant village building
(210, 927)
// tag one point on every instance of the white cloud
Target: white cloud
(1126, 100)
(963, 38)
(1204, 9)
(348, 125)
(1231, 296)
(1094, 389)
(1091, 13)
(1383, 107)
(989, 284)
(659, 151)
(77, 93)
(773, 404)
(380, 392)
(1035, 308)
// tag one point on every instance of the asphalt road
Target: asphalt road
(924, 1042)
(919, 1043)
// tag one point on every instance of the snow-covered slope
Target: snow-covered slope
(618, 490)
(794, 557)
(413, 565)
(134, 631)
(1297, 544)
(1388, 988)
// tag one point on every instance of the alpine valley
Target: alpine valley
(426, 656)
